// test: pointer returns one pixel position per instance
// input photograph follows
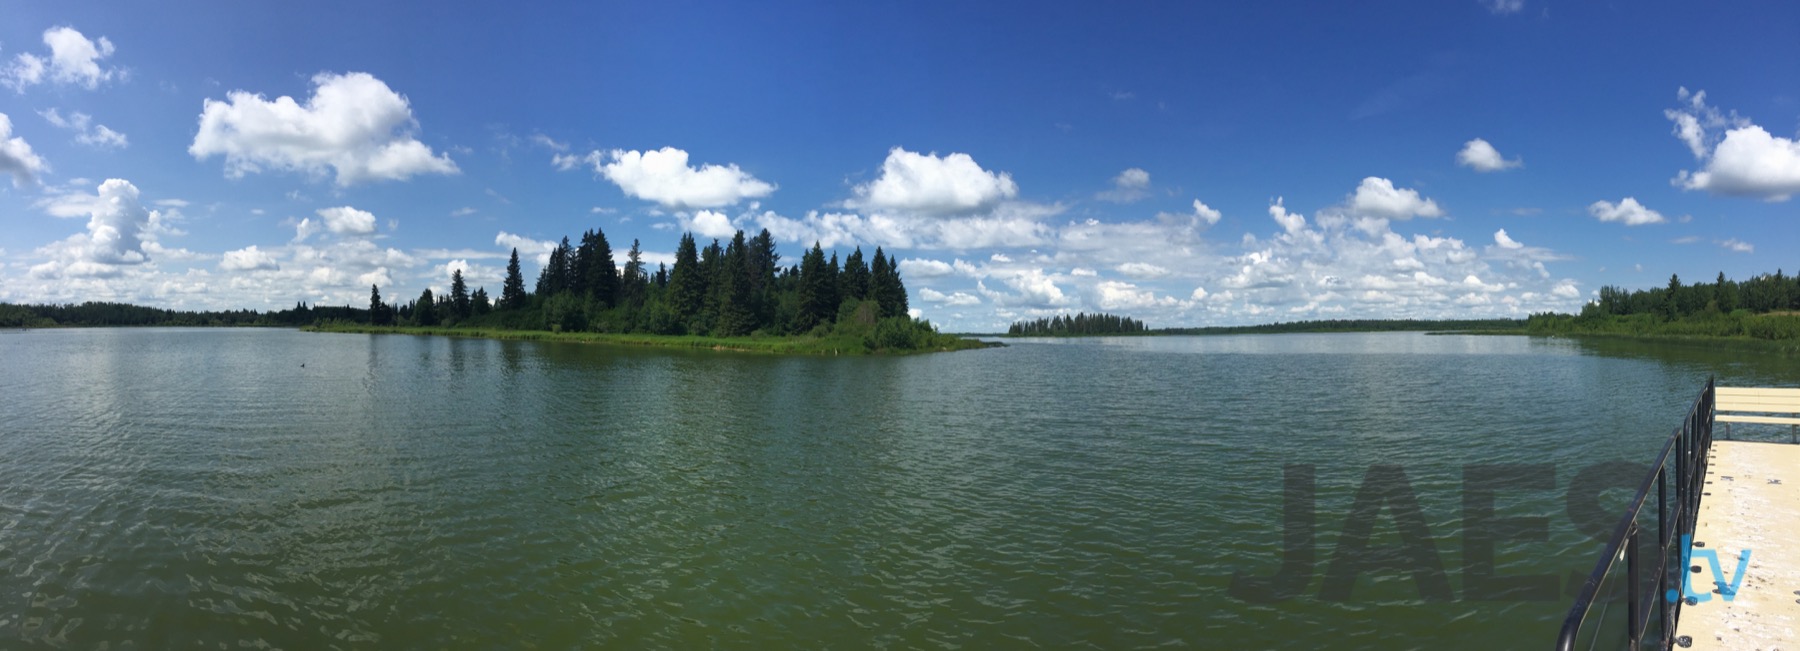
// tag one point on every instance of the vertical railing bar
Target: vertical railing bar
(1635, 632)
(1662, 539)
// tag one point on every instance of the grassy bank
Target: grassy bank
(796, 345)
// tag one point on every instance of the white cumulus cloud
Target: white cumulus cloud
(1480, 156)
(1130, 185)
(1116, 295)
(98, 135)
(1142, 270)
(74, 60)
(711, 223)
(664, 176)
(1627, 211)
(354, 125)
(954, 299)
(248, 259)
(1505, 241)
(1290, 222)
(924, 268)
(1746, 160)
(526, 246)
(1377, 197)
(347, 220)
(17, 158)
(1202, 212)
(911, 182)
(117, 230)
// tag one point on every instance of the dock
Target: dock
(1749, 503)
(1707, 556)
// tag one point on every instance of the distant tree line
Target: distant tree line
(1763, 307)
(1355, 325)
(96, 314)
(1082, 324)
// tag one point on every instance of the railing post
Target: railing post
(1631, 586)
(1664, 611)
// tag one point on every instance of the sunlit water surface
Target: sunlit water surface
(165, 488)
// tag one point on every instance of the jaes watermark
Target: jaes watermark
(1387, 496)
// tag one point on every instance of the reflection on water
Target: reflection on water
(274, 488)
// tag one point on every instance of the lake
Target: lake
(231, 488)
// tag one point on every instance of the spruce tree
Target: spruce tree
(459, 295)
(732, 315)
(425, 310)
(854, 283)
(818, 287)
(377, 311)
(512, 292)
(687, 288)
(633, 281)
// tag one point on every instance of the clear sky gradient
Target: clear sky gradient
(1184, 163)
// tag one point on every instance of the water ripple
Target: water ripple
(200, 487)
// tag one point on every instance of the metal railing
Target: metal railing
(1683, 457)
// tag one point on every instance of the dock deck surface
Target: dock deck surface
(1751, 502)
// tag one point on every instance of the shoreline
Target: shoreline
(800, 345)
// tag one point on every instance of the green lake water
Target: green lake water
(189, 488)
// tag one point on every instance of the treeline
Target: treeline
(98, 314)
(1758, 295)
(1354, 325)
(1763, 307)
(1079, 325)
(731, 289)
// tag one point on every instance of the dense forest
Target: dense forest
(1079, 325)
(1763, 307)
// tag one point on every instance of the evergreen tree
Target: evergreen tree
(1672, 306)
(1725, 292)
(479, 302)
(732, 314)
(687, 287)
(592, 272)
(512, 292)
(459, 295)
(816, 292)
(830, 287)
(377, 311)
(897, 289)
(885, 286)
(854, 283)
(554, 279)
(760, 262)
(712, 265)
(425, 310)
(633, 282)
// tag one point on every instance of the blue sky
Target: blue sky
(1183, 163)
